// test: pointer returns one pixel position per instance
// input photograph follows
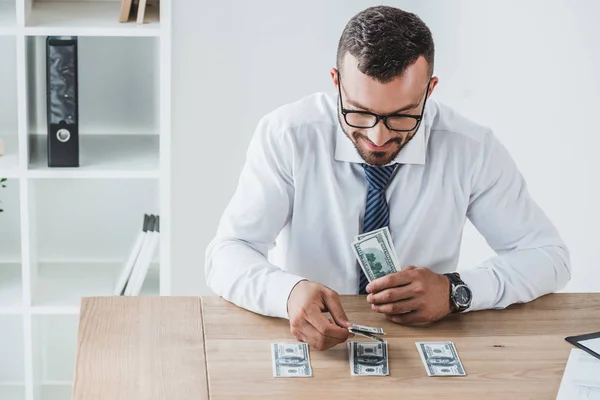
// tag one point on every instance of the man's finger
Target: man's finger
(398, 307)
(316, 318)
(315, 339)
(334, 306)
(391, 295)
(298, 325)
(408, 318)
(400, 278)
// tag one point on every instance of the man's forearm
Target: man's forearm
(517, 277)
(242, 275)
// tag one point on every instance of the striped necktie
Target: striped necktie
(377, 214)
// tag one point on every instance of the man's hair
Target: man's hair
(385, 41)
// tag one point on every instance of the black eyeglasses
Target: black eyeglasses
(367, 119)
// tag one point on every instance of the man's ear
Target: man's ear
(334, 76)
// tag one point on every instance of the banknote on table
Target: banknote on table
(291, 360)
(376, 256)
(440, 359)
(368, 358)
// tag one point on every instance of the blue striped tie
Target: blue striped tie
(377, 214)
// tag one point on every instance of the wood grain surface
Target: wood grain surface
(515, 353)
(140, 348)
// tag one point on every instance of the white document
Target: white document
(581, 380)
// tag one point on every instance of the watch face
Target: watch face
(462, 296)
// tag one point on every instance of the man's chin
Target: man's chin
(378, 157)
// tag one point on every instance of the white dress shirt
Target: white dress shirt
(301, 196)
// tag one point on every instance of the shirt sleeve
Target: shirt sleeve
(531, 258)
(236, 263)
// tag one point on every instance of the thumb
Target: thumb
(334, 306)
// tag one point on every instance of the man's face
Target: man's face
(403, 95)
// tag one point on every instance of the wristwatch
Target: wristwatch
(460, 294)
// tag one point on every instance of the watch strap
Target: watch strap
(454, 278)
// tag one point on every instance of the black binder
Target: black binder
(62, 101)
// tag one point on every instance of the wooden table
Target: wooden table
(517, 353)
(187, 348)
(140, 348)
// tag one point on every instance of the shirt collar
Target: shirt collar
(413, 153)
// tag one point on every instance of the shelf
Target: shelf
(12, 391)
(86, 18)
(55, 392)
(9, 162)
(50, 310)
(101, 156)
(63, 285)
(7, 21)
(10, 287)
(54, 352)
(65, 233)
(10, 243)
(119, 119)
(79, 220)
(11, 353)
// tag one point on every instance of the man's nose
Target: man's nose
(379, 134)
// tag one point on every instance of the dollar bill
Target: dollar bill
(374, 256)
(440, 358)
(368, 358)
(383, 230)
(366, 334)
(388, 239)
(290, 360)
(363, 328)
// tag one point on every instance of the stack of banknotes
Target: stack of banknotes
(376, 254)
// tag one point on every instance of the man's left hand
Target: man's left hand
(413, 295)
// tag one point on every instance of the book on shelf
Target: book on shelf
(127, 267)
(135, 268)
(125, 10)
(139, 11)
(142, 264)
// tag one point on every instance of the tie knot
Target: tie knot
(378, 177)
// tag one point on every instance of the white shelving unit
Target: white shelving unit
(65, 232)
(8, 17)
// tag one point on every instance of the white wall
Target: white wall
(527, 69)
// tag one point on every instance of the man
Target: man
(379, 152)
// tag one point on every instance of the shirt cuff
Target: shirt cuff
(278, 295)
(483, 283)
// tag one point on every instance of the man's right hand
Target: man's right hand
(306, 304)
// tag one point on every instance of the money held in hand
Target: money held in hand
(366, 334)
(290, 360)
(388, 239)
(367, 331)
(368, 358)
(376, 254)
(440, 359)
